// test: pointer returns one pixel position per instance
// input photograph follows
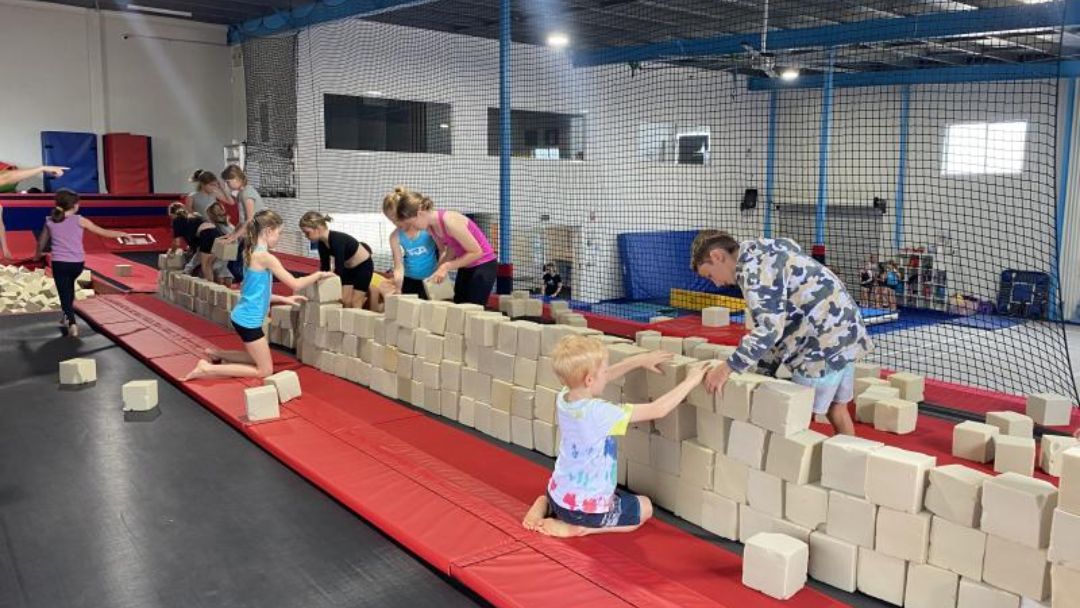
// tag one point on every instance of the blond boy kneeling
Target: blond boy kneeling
(581, 496)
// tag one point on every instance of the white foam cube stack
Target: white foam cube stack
(1011, 423)
(140, 395)
(1014, 454)
(23, 290)
(843, 463)
(775, 564)
(896, 416)
(1050, 451)
(974, 441)
(261, 403)
(78, 371)
(287, 384)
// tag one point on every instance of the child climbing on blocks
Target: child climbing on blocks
(581, 497)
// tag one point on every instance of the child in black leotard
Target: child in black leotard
(351, 258)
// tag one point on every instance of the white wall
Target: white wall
(79, 70)
(608, 193)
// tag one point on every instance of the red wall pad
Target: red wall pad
(452, 498)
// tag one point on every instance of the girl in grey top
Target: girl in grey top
(248, 200)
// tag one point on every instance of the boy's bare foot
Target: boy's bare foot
(199, 372)
(535, 516)
(560, 529)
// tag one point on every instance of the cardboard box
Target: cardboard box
(1019, 509)
(1049, 410)
(775, 564)
(806, 505)
(930, 587)
(287, 384)
(833, 561)
(783, 408)
(881, 576)
(261, 403)
(1016, 568)
(1014, 454)
(903, 535)
(974, 441)
(957, 548)
(765, 493)
(955, 493)
(1011, 423)
(796, 458)
(896, 478)
(747, 444)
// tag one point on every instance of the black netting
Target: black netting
(681, 138)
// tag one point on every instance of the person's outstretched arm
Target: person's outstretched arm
(14, 176)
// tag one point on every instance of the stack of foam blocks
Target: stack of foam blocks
(740, 463)
(23, 290)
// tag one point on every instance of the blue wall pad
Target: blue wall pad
(78, 151)
(654, 263)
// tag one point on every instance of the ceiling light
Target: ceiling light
(789, 74)
(158, 11)
(444, 126)
(373, 93)
(558, 40)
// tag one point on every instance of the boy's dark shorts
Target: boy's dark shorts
(625, 512)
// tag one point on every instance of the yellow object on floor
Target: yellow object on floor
(697, 300)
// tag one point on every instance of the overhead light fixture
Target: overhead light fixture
(159, 11)
(373, 93)
(558, 40)
(444, 126)
(789, 74)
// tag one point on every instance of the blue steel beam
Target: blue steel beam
(313, 13)
(1063, 189)
(975, 73)
(504, 131)
(917, 27)
(901, 172)
(770, 162)
(823, 152)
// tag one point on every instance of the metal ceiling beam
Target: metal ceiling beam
(975, 73)
(319, 11)
(919, 27)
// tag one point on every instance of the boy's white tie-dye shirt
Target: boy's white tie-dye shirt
(586, 471)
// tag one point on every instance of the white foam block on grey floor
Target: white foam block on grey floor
(140, 395)
(78, 371)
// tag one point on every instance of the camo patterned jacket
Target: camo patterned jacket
(803, 316)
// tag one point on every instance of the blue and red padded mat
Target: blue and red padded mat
(452, 498)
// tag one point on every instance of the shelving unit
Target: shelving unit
(926, 279)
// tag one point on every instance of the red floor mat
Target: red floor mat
(690, 325)
(143, 278)
(455, 499)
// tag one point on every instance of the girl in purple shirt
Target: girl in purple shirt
(462, 245)
(64, 229)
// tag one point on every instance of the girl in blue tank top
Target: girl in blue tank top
(256, 296)
(416, 256)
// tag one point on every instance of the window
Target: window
(386, 125)
(984, 148)
(542, 135)
(371, 228)
(666, 143)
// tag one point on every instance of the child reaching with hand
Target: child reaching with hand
(581, 496)
(261, 268)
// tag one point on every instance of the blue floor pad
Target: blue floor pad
(987, 322)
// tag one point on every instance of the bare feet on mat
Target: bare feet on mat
(535, 517)
(199, 372)
(560, 529)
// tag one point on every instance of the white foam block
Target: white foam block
(467, 411)
(867, 370)
(1070, 481)
(833, 561)
(1014, 455)
(806, 505)
(502, 395)
(736, 398)
(521, 402)
(696, 465)
(1019, 509)
(896, 416)
(882, 576)
(1065, 539)
(482, 417)
(78, 371)
(715, 316)
(957, 548)
(903, 535)
(775, 564)
(500, 425)
(852, 519)
(974, 594)
(1016, 568)
(974, 441)
(843, 463)
(521, 431)
(783, 408)
(679, 424)
(450, 404)
(671, 374)
(1066, 586)
(896, 478)
(140, 395)
(1049, 410)
(729, 478)
(930, 587)
(795, 458)
(325, 290)
(665, 455)
(866, 402)
(864, 383)
(747, 444)
(544, 438)
(955, 493)
(1011, 423)
(287, 384)
(1050, 451)
(765, 493)
(712, 430)
(720, 515)
(261, 403)
(911, 385)
(690, 502)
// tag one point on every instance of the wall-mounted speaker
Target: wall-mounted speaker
(749, 199)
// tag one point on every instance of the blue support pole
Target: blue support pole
(901, 172)
(505, 283)
(1063, 190)
(823, 152)
(770, 163)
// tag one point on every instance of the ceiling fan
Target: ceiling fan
(764, 61)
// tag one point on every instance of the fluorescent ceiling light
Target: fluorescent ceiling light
(444, 126)
(558, 40)
(789, 74)
(158, 11)
(373, 93)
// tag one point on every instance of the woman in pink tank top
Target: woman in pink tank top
(64, 230)
(462, 245)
